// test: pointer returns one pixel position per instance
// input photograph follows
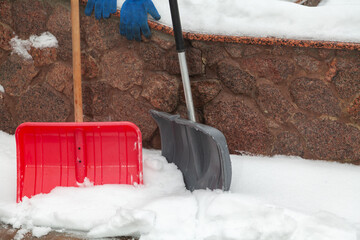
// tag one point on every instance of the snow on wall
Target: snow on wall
(22, 47)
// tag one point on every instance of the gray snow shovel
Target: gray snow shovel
(198, 150)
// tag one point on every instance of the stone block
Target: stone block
(135, 91)
(193, 58)
(235, 50)
(278, 50)
(354, 109)
(16, 74)
(161, 90)
(7, 232)
(59, 24)
(5, 12)
(30, 17)
(211, 53)
(347, 61)
(102, 34)
(250, 50)
(288, 143)
(100, 98)
(7, 123)
(43, 56)
(306, 51)
(309, 64)
(329, 139)
(153, 56)
(276, 70)
(347, 82)
(332, 70)
(126, 108)
(90, 67)
(182, 111)
(309, 3)
(315, 96)
(6, 34)
(273, 103)
(2, 54)
(122, 68)
(326, 54)
(163, 40)
(156, 141)
(235, 78)
(203, 91)
(243, 126)
(42, 104)
(60, 77)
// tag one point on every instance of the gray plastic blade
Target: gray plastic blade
(199, 151)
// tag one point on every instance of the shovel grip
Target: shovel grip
(175, 16)
(80, 161)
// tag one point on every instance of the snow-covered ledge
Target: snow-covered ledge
(333, 24)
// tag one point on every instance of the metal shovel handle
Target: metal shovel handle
(180, 47)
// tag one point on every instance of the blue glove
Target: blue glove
(103, 8)
(133, 18)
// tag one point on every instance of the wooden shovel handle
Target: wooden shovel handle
(76, 51)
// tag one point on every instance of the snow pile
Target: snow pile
(7, 168)
(278, 198)
(126, 222)
(296, 183)
(40, 231)
(22, 47)
(45, 40)
(333, 20)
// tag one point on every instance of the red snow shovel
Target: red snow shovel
(64, 154)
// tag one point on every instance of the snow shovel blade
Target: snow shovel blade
(64, 154)
(198, 150)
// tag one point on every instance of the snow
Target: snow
(40, 231)
(22, 47)
(282, 198)
(45, 40)
(288, 182)
(7, 168)
(333, 20)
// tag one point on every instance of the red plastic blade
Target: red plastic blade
(63, 154)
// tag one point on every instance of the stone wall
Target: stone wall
(265, 99)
